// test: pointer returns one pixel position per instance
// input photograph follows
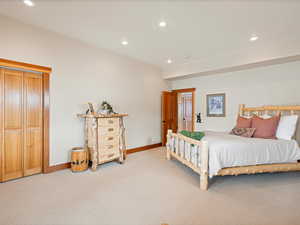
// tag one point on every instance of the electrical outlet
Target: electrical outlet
(154, 140)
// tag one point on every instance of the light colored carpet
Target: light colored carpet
(148, 190)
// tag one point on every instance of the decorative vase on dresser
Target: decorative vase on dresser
(105, 137)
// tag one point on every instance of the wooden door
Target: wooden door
(33, 123)
(169, 113)
(12, 124)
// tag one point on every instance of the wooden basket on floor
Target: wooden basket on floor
(79, 159)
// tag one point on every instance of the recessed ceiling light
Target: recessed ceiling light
(169, 61)
(124, 42)
(162, 24)
(28, 3)
(253, 38)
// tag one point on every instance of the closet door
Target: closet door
(33, 123)
(12, 119)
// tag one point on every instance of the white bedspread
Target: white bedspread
(227, 150)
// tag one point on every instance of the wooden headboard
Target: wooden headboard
(273, 110)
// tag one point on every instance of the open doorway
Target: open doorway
(178, 111)
(185, 111)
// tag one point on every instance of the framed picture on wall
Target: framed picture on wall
(215, 105)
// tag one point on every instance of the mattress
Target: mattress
(226, 150)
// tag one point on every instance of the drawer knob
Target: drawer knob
(110, 138)
(110, 129)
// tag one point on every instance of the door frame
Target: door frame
(45, 71)
(193, 90)
(174, 125)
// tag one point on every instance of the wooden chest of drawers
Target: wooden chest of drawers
(105, 138)
(108, 139)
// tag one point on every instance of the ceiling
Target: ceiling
(196, 31)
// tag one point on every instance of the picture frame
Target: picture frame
(216, 105)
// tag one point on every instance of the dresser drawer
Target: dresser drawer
(108, 139)
(108, 157)
(105, 148)
(108, 131)
(109, 122)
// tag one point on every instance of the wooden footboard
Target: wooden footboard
(191, 153)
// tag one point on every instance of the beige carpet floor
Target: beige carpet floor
(148, 190)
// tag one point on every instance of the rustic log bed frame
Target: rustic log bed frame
(203, 156)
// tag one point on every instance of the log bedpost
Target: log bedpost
(168, 145)
(241, 109)
(204, 166)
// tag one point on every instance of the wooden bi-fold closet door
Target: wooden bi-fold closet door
(21, 123)
(33, 123)
(12, 138)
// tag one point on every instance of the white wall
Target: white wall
(82, 73)
(270, 85)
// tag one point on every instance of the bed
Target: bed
(220, 153)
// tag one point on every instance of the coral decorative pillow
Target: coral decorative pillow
(243, 132)
(265, 128)
(243, 122)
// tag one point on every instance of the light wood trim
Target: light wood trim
(184, 90)
(272, 108)
(265, 168)
(143, 148)
(58, 167)
(46, 120)
(24, 66)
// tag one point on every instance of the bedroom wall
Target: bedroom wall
(270, 85)
(82, 73)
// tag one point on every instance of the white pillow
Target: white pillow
(266, 116)
(287, 127)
